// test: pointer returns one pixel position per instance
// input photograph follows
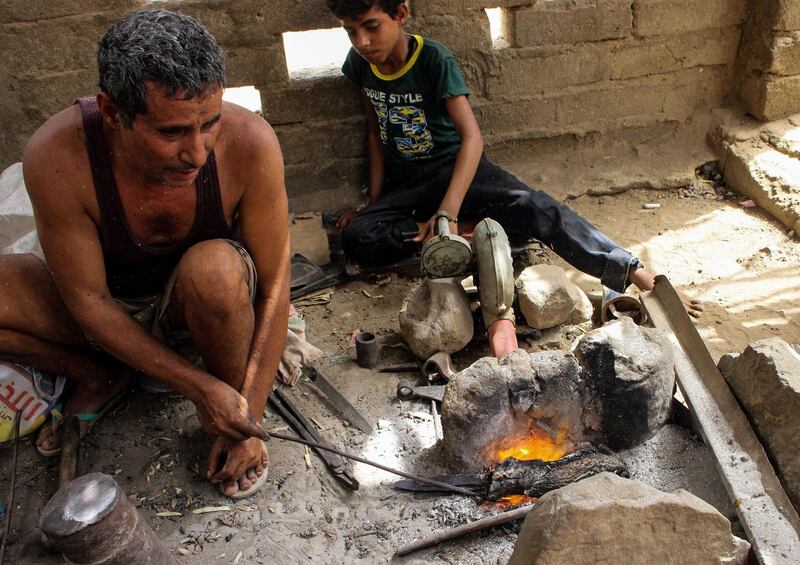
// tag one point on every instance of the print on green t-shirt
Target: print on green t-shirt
(410, 104)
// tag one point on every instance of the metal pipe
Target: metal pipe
(433, 482)
(616, 305)
(477, 525)
(91, 520)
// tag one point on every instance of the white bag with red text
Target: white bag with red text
(32, 393)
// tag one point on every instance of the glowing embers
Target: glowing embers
(513, 501)
(531, 444)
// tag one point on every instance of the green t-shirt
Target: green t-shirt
(410, 104)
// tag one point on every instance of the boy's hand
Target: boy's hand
(345, 219)
(427, 231)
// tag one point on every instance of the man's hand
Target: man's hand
(224, 413)
(427, 230)
(235, 460)
(345, 219)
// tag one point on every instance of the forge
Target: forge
(533, 422)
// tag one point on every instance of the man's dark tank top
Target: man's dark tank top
(133, 268)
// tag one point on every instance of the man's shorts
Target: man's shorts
(155, 312)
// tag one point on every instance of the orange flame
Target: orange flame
(513, 501)
(531, 444)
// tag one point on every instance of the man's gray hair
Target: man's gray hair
(172, 50)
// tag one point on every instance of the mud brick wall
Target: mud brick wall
(769, 62)
(566, 69)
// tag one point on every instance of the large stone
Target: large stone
(609, 519)
(493, 400)
(547, 297)
(630, 377)
(436, 317)
(766, 380)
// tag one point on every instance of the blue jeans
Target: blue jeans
(381, 233)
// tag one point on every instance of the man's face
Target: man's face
(171, 141)
(375, 34)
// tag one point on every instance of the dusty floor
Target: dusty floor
(738, 261)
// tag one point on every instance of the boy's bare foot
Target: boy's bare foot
(86, 398)
(645, 280)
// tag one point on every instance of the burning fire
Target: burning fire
(528, 445)
(531, 444)
(513, 501)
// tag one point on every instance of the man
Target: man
(426, 161)
(160, 208)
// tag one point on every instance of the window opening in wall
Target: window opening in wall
(319, 52)
(498, 24)
(246, 96)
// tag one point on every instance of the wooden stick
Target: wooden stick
(70, 446)
(477, 525)
(10, 508)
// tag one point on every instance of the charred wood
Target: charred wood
(534, 478)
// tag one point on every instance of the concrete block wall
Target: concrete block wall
(566, 68)
(769, 62)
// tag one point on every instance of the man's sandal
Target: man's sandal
(57, 419)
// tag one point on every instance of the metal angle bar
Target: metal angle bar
(768, 518)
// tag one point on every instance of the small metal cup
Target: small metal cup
(367, 350)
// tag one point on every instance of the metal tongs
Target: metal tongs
(339, 467)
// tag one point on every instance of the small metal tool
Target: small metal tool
(409, 391)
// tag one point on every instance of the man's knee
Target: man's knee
(212, 275)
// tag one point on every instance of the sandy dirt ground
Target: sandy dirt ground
(738, 261)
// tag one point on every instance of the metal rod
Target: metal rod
(477, 525)
(433, 482)
(10, 509)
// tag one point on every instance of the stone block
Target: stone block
(786, 54)
(630, 376)
(766, 380)
(26, 11)
(436, 317)
(768, 176)
(531, 72)
(313, 142)
(41, 96)
(609, 519)
(572, 21)
(789, 16)
(310, 100)
(437, 7)
(332, 198)
(458, 33)
(505, 117)
(672, 96)
(64, 44)
(305, 179)
(674, 53)
(781, 97)
(667, 17)
(246, 66)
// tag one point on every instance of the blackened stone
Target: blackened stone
(630, 378)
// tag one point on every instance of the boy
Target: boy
(426, 161)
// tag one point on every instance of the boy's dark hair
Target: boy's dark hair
(354, 8)
(170, 49)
